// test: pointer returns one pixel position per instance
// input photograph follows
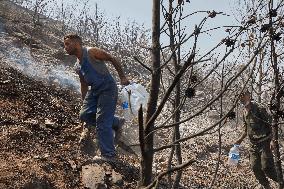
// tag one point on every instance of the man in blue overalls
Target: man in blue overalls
(99, 91)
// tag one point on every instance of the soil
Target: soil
(40, 129)
(39, 136)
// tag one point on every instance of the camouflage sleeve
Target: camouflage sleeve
(264, 115)
(244, 125)
(244, 119)
(244, 122)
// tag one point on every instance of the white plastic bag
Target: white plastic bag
(131, 97)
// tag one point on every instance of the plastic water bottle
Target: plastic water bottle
(126, 111)
(234, 155)
(132, 96)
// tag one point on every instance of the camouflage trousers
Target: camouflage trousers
(262, 163)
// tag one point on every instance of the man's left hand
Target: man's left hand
(272, 145)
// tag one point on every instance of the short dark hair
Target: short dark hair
(73, 36)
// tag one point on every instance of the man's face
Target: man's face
(70, 46)
(245, 98)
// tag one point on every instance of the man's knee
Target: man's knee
(105, 120)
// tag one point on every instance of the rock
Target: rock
(50, 124)
(117, 178)
(100, 176)
(31, 121)
(5, 82)
(72, 164)
(42, 157)
(19, 35)
(93, 176)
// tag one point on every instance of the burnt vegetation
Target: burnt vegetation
(192, 118)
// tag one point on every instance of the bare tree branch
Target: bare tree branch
(142, 64)
(161, 175)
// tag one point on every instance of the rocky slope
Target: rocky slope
(39, 136)
(39, 103)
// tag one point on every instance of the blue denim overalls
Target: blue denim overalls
(100, 102)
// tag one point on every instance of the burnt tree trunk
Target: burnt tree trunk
(147, 150)
(275, 104)
(176, 118)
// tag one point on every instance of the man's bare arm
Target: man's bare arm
(103, 55)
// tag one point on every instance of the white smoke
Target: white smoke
(21, 59)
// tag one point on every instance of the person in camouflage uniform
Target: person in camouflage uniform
(257, 126)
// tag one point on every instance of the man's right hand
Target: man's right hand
(240, 139)
(124, 81)
(238, 142)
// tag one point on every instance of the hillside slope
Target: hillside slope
(39, 120)
(39, 135)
